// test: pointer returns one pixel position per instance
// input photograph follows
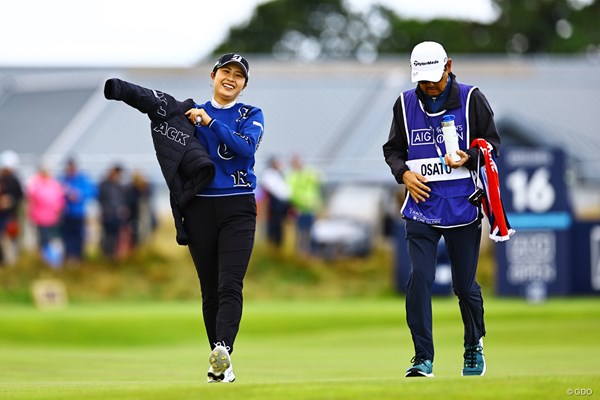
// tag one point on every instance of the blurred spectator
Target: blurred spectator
(278, 199)
(79, 190)
(46, 201)
(142, 220)
(11, 196)
(113, 213)
(306, 201)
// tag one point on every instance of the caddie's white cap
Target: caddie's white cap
(427, 62)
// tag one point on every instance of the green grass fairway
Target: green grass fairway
(289, 350)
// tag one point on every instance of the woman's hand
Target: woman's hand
(194, 113)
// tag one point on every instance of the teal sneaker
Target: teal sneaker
(474, 360)
(420, 368)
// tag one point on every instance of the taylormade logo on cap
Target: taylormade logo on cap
(417, 63)
(427, 62)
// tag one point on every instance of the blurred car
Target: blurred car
(338, 237)
(351, 223)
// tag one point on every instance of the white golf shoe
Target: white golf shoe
(220, 369)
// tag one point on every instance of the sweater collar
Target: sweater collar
(214, 103)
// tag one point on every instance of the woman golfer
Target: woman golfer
(221, 220)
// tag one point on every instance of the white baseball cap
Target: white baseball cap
(9, 159)
(427, 62)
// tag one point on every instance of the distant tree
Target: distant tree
(326, 29)
(308, 30)
(543, 26)
(522, 27)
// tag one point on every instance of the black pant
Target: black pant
(462, 244)
(221, 237)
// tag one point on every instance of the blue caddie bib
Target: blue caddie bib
(447, 205)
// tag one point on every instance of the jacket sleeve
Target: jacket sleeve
(484, 124)
(395, 150)
(481, 120)
(138, 97)
(246, 139)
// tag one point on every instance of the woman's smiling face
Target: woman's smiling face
(229, 81)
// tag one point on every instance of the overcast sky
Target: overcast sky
(121, 33)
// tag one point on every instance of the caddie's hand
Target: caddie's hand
(464, 157)
(416, 185)
(194, 113)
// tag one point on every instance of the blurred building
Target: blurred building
(335, 115)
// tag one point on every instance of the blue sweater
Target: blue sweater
(231, 139)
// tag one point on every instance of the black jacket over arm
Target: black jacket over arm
(184, 162)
